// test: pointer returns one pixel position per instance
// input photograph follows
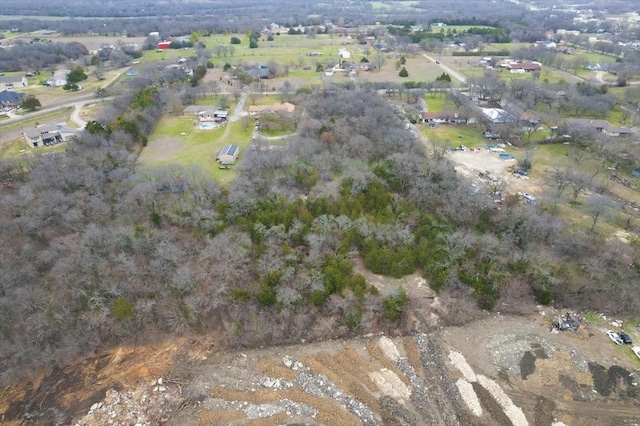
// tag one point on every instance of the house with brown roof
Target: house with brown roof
(522, 67)
(444, 117)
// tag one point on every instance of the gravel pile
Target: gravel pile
(458, 361)
(420, 396)
(140, 407)
(320, 386)
(388, 348)
(507, 350)
(390, 384)
(469, 396)
(447, 398)
(259, 411)
(513, 412)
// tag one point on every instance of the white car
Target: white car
(636, 350)
(615, 337)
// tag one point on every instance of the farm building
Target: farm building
(164, 45)
(228, 154)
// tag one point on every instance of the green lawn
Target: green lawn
(454, 135)
(437, 103)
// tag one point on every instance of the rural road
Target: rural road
(453, 73)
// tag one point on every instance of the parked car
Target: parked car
(614, 336)
(625, 338)
(636, 350)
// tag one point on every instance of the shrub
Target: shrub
(239, 295)
(394, 305)
(122, 309)
(403, 72)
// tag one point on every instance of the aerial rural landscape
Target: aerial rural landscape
(320, 213)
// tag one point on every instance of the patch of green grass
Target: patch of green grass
(593, 318)
(13, 149)
(454, 135)
(437, 103)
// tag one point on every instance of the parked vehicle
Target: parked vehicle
(636, 350)
(625, 338)
(615, 337)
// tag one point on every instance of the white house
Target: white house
(59, 78)
(344, 54)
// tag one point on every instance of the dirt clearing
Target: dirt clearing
(160, 150)
(472, 164)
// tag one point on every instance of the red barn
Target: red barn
(164, 44)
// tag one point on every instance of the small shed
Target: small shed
(228, 154)
(164, 45)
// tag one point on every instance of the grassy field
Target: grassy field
(177, 141)
(285, 49)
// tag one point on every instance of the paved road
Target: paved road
(453, 73)
(77, 104)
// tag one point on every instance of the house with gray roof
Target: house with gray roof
(12, 82)
(10, 99)
(601, 126)
(59, 78)
(49, 134)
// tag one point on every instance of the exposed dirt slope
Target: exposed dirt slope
(501, 370)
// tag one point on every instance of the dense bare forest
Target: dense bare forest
(102, 255)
